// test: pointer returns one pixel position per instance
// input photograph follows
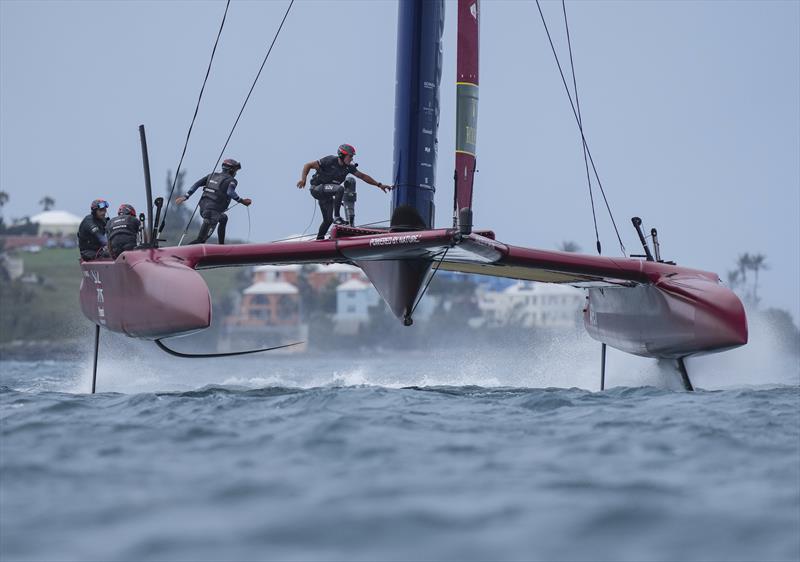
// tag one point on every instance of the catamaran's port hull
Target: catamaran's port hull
(675, 318)
(143, 298)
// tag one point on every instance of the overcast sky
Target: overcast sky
(691, 109)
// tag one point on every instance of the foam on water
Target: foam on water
(331, 456)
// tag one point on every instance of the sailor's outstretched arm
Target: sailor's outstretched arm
(235, 196)
(199, 183)
(368, 179)
(313, 165)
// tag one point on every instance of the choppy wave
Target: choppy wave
(307, 462)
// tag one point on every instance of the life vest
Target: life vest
(215, 192)
(122, 231)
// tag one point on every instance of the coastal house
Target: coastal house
(531, 304)
(275, 303)
(354, 298)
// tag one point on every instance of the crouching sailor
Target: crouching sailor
(327, 188)
(123, 230)
(92, 232)
(218, 190)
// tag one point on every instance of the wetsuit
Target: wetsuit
(92, 238)
(218, 190)
(327, 188)
(122, 232)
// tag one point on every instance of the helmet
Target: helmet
(99, 204)
(345, 149)
(231, 164)
(126, 209)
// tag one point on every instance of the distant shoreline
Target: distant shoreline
(42, 349)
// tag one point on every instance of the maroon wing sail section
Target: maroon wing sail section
(466, 102)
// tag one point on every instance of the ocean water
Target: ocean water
(479, 454)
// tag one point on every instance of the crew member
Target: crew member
(326, 185)
(92, 232)
(123, 230)
(218, 190)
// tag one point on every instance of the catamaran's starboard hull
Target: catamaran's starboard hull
(674, 319)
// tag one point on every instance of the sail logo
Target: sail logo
(474, 11)
(394, 240)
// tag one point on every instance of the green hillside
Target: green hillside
(49, 309)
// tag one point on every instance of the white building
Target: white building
(353, 301)
(56, 223)
(532, 304)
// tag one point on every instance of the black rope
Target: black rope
(313, 215)
(422, 294)
(580, 127)
(191, 125)
(176, 353)
(275, 38)
(252, 87)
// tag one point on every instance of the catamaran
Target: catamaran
(641, 305)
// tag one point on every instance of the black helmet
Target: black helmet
(99, 204)
(231, 164)
(126, 209)
(345, 149)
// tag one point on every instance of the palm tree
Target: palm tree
(734, 279)
(757, 264)
(569, 246)
(743, 263)
(3, 201)
(47, 202)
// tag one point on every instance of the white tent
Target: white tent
(57, 223)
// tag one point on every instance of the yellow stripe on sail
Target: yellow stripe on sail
(466, 152)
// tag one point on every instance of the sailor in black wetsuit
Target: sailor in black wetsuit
(218, 190)
(123, 230)
(327, 188)
(92, 232)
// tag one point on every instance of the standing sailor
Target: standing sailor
(123, 230)
(92, 232)
(327, 188)
(218, 190)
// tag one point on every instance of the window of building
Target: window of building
(260, 313)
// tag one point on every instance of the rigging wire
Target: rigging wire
(248, 224)
(580, 127)
(194, 117)
(241, 111)
(427, 284)
(313, 214)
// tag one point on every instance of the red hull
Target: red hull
(145, 298)
(677, 317)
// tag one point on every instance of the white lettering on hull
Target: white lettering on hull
(395, 240)
(101, 311)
